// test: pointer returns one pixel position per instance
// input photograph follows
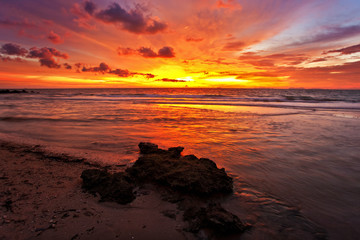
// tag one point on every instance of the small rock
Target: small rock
(213, 217)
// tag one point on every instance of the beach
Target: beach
(292, 154)
(42, 199)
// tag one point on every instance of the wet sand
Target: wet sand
(41, 198)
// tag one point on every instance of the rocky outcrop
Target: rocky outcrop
(7, 91)
(187, 174)
(185, 177)
(111, 187)
(213, 217)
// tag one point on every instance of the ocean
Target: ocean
(294, 154)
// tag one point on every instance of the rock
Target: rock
(7, 91)
(116, 187)
(147, 148)
(213, 217)
(188, 181)
(175, 151)
(186, 174)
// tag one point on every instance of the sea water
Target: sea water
(294, 154)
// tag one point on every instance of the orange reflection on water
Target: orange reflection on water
(207, 131)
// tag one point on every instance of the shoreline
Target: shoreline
(42, 199)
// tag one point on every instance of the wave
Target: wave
(26, 119)
(277, 96)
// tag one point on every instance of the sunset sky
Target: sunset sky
(173, 43)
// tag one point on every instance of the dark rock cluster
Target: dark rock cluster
(185, 176)
(5, 91)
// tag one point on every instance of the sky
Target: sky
(173, 43)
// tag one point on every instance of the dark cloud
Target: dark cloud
(147, 52)
(67, 66)
(12, 23)
(13, 49)
(54, 38)
(105, 69)
(121, 72)
(135, 20)
(102, 68)
(49, 62)
(46, 53)
(78, 65)
(47, 56)
(147, 75)
(89, 7)
(170, 80)
(164, 52)
(126, 51)
(346, 50)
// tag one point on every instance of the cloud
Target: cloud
(121, 72)
(147, 75)
(105, 69)
(272, 59)
(330, 34)
(228, 4)
(89, 7)
(83, 17)
(147, 52)
(13, 49)
(346, 50)
(170, 80)
(234, 46)
(9, 59)
(319, 60)
(11, 23)
(55, 38)
(45, 52)
(102, 68)
(164, 52)
(67, 66)
(192, 39)
(136, 20)
(47, 56)
(49, 62)
(126, 51)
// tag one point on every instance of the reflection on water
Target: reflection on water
(281, 158)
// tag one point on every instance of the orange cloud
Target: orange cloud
(164, 52)
(55, 38)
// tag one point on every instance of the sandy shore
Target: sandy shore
(41, 198)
